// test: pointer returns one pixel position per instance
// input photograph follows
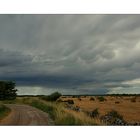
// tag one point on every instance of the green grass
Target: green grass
(9, 101)
(46, 108)
(57, 112)
(101, 98)
(68, 119)
(60, 115)
(4, 111)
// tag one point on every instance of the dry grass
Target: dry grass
(130, 110)
(58, 112)
(64, 116)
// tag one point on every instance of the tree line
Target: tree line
(7, 90)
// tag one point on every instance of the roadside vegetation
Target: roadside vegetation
(53, 97)
(61, 115)
(4, 111)
(57, 111)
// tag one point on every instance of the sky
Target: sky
(72, 54)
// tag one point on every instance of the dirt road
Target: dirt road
(25, 115)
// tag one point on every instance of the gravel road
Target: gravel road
(26, 115)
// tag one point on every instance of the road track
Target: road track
(26, 115)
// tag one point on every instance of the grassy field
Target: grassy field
(59, 113)
(128, 107)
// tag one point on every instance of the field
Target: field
(86, 110)
(127, 106)
(57, 111)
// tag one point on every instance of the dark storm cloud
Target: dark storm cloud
(85, 53)
(9, 58)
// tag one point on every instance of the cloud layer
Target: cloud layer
(76, 54)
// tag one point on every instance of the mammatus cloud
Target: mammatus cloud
(75, 54)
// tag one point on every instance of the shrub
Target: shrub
(53, 97)
(79, 99)
(133, 100)
(73, 96)
(92, 99)
(76, 108)
(117, 102)
(101, 98)
(94, 113)
(70, 101)
(115, 114)
(113, 118)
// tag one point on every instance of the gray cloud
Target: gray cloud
(72, 53)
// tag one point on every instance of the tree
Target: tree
(7, 90)
(53, 97)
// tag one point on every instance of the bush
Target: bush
(133, 100)
(117, 102)
(101, 98)
(115, 114)
(94, 113)
(113, 118)
(70, 101)
(92, 99)
(53, 97)
(79, 99)
(73, 96)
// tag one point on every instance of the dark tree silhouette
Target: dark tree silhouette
(53, 97)
(7, 90)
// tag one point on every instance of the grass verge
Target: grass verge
(57, 112)
(4, 111)
(63, 116)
